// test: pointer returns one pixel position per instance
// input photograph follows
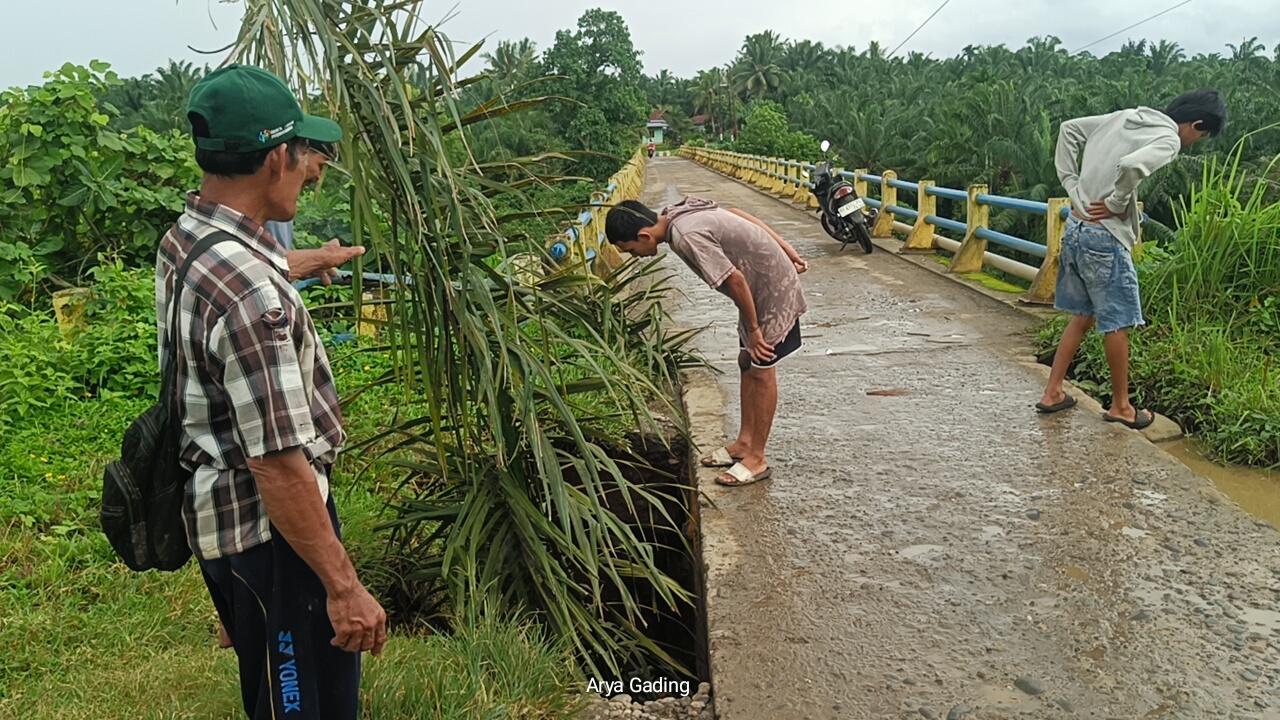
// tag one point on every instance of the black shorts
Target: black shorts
(789, 345)
(275, 609)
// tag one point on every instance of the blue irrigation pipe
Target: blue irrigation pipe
(1067, 211)
(1010, 241)
(904, 212)
(347, 275)
(1008, 203)
(947, 193)
(946, 224)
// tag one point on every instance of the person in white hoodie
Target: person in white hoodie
(1097, 282)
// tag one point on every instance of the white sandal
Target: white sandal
(719, 458)
(740, 475)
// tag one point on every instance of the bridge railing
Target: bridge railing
(788, 179)
(583, 241)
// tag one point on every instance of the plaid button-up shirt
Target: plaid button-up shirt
(253, 377)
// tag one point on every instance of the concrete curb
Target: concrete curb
(704, 402)
(1164, 429)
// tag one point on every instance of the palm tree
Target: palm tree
(705, 92)
(510, 63)
(668, 89)
(757, 72)
(805, 56)
(1165, 55)
(511, 473)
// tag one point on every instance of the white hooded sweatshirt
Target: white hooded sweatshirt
(1121, 149)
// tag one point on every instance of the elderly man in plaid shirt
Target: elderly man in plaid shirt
(260, 417)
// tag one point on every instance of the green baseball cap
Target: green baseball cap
(247, 109)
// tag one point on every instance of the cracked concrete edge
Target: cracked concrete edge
(1163, 430)
(704, 404)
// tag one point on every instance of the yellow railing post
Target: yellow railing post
(592, 230)
(859, 181)
(1041, 290)
(369, 311)
(921, 238)
(68, 308)
(1137, 242)
(973, 250)
(793, 175)
(802, 192)
(888, 199)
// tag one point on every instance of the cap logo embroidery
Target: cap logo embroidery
(266, 135)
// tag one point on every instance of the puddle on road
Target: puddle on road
(1254, 490)
(1097, 653)
(918, 551)
(1076, 573)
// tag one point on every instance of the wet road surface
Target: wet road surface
(944, 552)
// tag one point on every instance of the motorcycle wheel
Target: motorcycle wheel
(832, 229)
(864, 236)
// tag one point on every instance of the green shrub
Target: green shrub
(768, 133)
(115, 351)
(73, 187)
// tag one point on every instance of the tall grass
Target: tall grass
(504, 479)
(1227, 254)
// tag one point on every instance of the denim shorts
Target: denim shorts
(1096, 277)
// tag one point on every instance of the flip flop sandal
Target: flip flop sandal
(740, 475)
(1141, 419)
(719, 458)
(1066, 404)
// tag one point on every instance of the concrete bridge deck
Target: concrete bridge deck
(948, 553)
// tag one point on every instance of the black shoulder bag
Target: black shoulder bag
(142, 492)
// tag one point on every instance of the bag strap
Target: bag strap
(169, 373)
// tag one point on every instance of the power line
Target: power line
(913, 32)
(1140, 22)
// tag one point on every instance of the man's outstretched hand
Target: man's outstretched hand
(321, 262)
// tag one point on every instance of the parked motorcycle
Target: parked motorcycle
(844, 215)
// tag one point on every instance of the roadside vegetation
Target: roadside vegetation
(490, 490)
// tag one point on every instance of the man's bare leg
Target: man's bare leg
(745, 442)
(1116, 345)
(759, 402)
(1072, 336)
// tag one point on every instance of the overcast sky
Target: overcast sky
(684, 36)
